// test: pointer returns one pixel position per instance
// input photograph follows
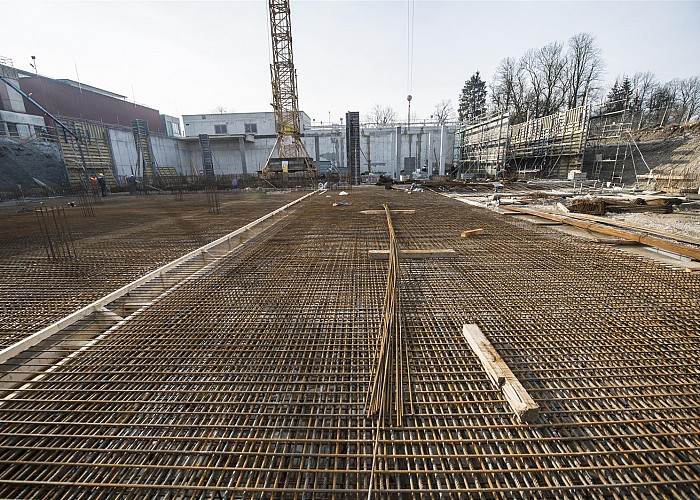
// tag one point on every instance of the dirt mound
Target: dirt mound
(672, 131)
(21, 164)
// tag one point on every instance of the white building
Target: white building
(241, 143)
(258, 124)
(14, 120)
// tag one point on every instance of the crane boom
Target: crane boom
(288, 153)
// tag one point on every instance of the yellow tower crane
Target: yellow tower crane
(288, 158)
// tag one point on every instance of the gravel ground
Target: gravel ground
(687, 223)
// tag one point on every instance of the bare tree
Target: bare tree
(584, 67)
(381, 116)
(220, 109)
(687, 98)
(644, 85)
(662, 103)
(509, 89)
(546, 70)
(444, 111)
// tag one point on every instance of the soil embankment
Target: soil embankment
(22, 163)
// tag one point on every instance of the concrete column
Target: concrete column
(419, 148)
(241, 148)
(316, 148)
(441, 167)
(430, 151)
(398, 152)
(369, 153)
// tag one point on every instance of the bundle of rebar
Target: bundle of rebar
(392, 358)
(56, 232)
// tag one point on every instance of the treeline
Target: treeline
(561, 76)
(652, 103)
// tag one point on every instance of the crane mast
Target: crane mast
(288, 156)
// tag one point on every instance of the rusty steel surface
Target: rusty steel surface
(252, 380)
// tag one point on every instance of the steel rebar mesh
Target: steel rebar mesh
(253, 379)
(129, 237)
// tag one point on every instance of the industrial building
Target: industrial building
(240, 142)
(267, 307)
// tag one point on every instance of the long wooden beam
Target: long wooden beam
(680, 249)
(413, 254)
(628, 225)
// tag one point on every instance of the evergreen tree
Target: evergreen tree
(626, 90)
(620, 95)
(472, 101)
(614, 100)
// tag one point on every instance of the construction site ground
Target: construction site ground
(251, 378)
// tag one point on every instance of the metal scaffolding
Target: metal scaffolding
(483, 145)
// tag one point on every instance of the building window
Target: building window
(12, 130)
(204, 117)
(220, 129)
(251, 128)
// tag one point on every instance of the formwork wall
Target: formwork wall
(483, 145)
(552, 145)
(88, 151)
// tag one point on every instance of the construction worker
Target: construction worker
(103, 183)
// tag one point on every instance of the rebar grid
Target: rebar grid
(130, 236)
(253, 379)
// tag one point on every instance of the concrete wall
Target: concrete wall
(382, 150)
(123, 152)
(378, 145)
(422, 142)
(170, 152)
(226, 154)
(10, 99)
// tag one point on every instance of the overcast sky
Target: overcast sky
(184, 57)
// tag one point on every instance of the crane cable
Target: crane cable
(410, 23)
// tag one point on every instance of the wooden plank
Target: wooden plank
(522, 404)
(413, 254)
(489, 357)
(628, 225)
(469, 232)
(562, 207)
(382, 212)
(671, 246)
